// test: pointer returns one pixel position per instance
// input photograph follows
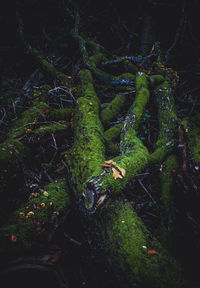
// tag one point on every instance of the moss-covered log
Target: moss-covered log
(111, 112)
(168, 196)
(34, 223)
(134, 155)
(119, 233)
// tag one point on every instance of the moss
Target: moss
(127, 242)
(142, 97)
(36, 217)
(134, 159)
(111, 135)
(10, 148)
(111, 112)
(27, 119)
(88, 150)
(92, 62)
(61, 114)
(130, 67)
(47, 67)
(134, 155)
(155, 80)
(51, 128)
(167, 122)
(168, 200)
(167, 183)
(193, 139)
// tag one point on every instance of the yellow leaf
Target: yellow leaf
(122, 170)
(105, 165)
(111, 162)
(116, 174)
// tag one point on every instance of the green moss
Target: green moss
(142, 97)
(130, 67)
(39, 214)
(134, 155)
(193, 139)
(47, 67)
(61, 114)
(27, 119)
(51, 128)
(134, 159)
(111, 112)
(167, 183)
(111, 135)
(88, 150)
(127, 242)
(8, 149)
(155, 80)
(168, 200)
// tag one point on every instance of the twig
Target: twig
(64, 89)
(144, 188)
(4, 115)
(46, 173)
(178, 33)
(72, 240)
(54, 141)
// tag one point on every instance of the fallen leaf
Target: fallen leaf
(28, 130)
(111, 162)
(116, 174)
(30, 214)
(21, 215)
(47, 110)
(13, 238)
(105, 165)
(152, 252)
(122, 170)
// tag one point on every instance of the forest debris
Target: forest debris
(118, 172)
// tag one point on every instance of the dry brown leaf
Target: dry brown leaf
(111, 162)
(105, 165)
